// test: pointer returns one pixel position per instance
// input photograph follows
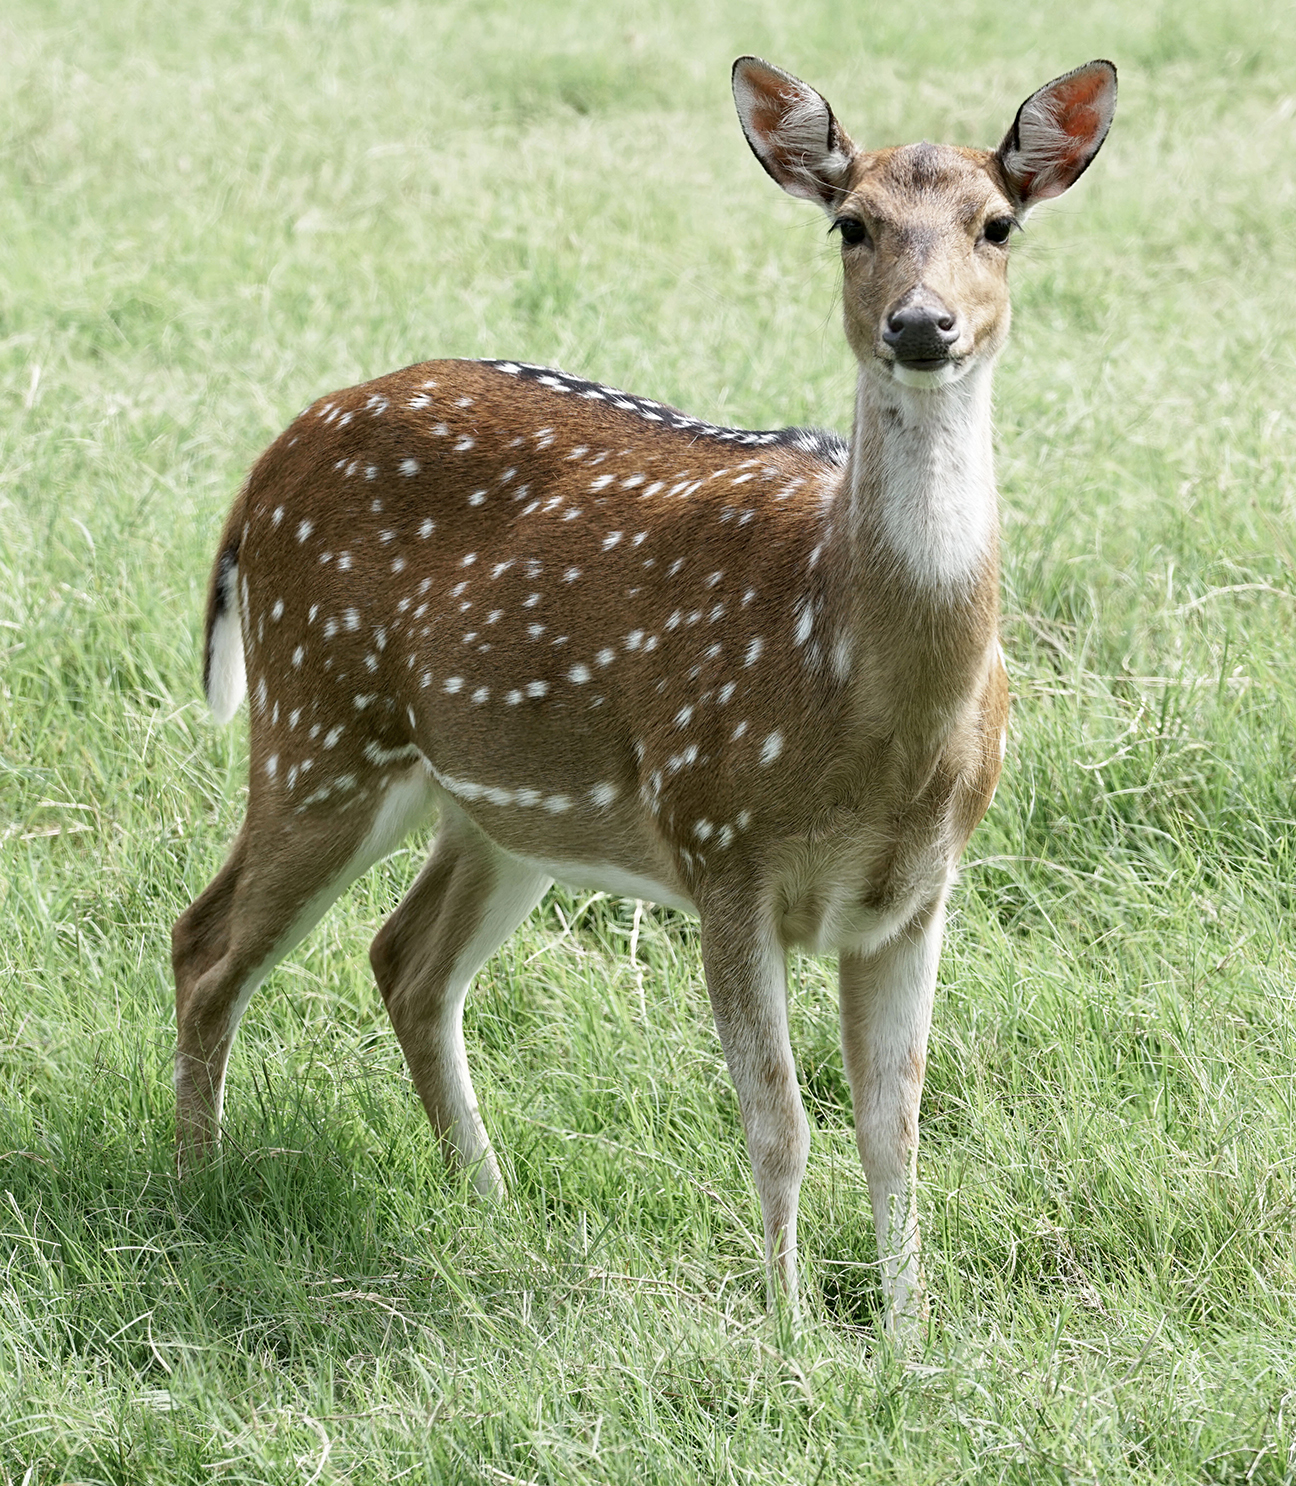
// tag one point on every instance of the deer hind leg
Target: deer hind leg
(468, 899)
(274, 888)
(886, 1010)
(746, 978)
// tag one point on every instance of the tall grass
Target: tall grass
(210, 214)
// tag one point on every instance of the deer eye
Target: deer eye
(998, 229)
(853, 231)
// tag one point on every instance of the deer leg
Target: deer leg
(274, 888)
(746, 976)
(468, 899)
(886, 1011)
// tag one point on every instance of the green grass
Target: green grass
(211, 214)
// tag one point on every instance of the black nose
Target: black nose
(921, 330)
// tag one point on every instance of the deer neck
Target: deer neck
(919, 506)
(921, 483)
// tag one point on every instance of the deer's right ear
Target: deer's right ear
(792, 132)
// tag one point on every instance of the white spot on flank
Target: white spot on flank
(610, 541)
(754, 648)
(804, 625)
(304, 529)
(739, 731)
(409, 467)
(703, 830)
(453, 684)
(277, 612)
(603, 794)
(272, 765)
(298, 656)
(605, 657)
(683, 717)
(580, 674)
(371, 472)
(481, 694)
(278, 516)
(463, 444)
(537, 689)
(556, 804)
(725, 692)
(771, 748)
(571, 575)
(333, 734)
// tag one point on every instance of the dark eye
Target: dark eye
(852, 230)
(997, 230)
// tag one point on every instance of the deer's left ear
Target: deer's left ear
(792, 132)
(1057, 132)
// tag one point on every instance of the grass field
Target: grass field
(209, 214)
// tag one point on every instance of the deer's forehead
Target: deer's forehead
(940, 182)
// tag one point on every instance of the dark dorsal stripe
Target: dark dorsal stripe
(818, 442)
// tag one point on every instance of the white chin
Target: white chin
(942, 376)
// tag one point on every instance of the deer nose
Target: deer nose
(921, 330)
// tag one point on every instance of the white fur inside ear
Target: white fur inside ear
(1045, 149)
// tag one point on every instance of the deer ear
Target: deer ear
(792, 132)
(1057, 132)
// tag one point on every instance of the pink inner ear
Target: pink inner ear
(769, 111)
(1076, 114)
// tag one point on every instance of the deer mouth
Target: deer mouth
(927, 372)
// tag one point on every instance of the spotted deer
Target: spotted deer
(751, 674)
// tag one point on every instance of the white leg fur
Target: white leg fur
(886, 1010)
(424, 974)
